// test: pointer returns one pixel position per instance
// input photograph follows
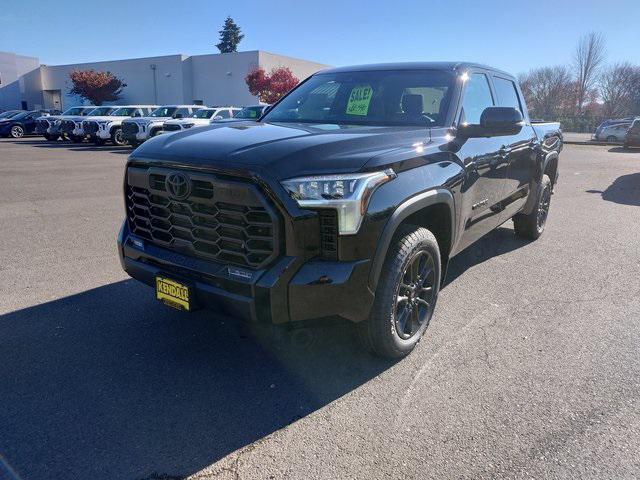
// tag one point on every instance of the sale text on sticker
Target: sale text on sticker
(359, 100)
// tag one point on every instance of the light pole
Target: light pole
(155, 84)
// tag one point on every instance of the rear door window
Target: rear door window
(506, 93)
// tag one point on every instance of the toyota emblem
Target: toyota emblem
(178, 185)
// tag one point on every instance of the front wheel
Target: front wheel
(17, 131)
(117, 138)
(532, 225)
(406, 294)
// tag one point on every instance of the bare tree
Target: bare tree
(547, 91)
(618, 86)
(587, 60)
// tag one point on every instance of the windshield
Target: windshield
(385, 97)
(123, 112)
(203, 113)
(20, 115)
(101, 111)
(10, 114)
(74, 111)
(249, 112)
(163, 112)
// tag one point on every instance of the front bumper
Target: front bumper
(288, 290)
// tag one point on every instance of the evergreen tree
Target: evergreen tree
(230, 37)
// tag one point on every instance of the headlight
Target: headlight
(349, 194)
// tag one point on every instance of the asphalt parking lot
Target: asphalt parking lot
(530, 368)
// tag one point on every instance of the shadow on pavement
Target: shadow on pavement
(623, 150)
(75, 147)
(110, 384)
(495, 243)
(624, 190)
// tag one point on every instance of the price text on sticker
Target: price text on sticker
(359, 100)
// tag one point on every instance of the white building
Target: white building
(216, 79)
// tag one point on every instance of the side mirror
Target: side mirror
(495, 122)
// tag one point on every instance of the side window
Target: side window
(506, 93)
(223, 113)
(137, 113)
(182, 113)
(477, 97)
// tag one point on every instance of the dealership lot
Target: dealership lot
(101, 381)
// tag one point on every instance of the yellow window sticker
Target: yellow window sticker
(359, 100)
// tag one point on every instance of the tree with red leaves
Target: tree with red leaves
(270, 88)
(97, 87)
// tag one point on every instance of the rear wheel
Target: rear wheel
(532, 225)
(118, 138)
(406, 294)
(17, 131)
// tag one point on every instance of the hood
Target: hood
(285, 150)
(75, 118)
(184, 121)
(148, 120)
(105, 118)
(48, 117)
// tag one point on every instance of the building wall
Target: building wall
(216, 79)
(137, 73)
(19, 80)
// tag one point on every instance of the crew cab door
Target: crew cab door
(520, 150)
(484, 163)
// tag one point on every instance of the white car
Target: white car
(71, 126)
(49, 126)
(135, 131)
(204, 116)
(109, 127)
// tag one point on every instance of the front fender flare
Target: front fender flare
(404, 210)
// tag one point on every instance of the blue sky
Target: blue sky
(510, 34)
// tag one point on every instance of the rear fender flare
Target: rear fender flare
(404, 210)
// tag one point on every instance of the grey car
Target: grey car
(612, 133)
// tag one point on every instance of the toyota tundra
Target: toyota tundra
(348, 198)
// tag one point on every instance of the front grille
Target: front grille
(226, 221)
(328, 234)
(42, 126)
(130, 129)
(172, 128)
(67, 126)
(90, 128)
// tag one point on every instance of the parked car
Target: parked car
(71, 126)
(200, 118)
(614, 132)
(19, 125)
(348, 198)
(248, 113)
(10, 113)
(109, 128)
(49, 125)
(609, 122)
(632, 137)
(136, 131)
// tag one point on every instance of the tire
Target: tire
(17, 131)
(612, 139)
(155, 133)
(134, 143)
(98, 142)
(117, 138)
(402, 295)
(76, 138)
(531, 226)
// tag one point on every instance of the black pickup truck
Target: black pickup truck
(348, 198)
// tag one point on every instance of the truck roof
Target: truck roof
(453, 66)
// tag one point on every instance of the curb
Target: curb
(601, 144)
